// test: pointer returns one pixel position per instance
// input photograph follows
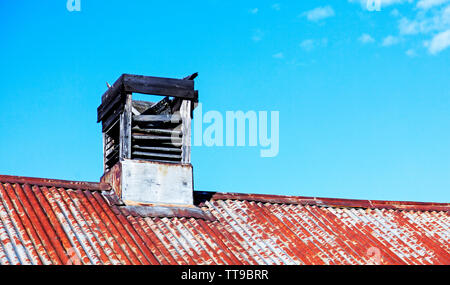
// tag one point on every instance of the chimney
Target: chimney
(146, 145)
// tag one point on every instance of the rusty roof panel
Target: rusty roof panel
(45, 221)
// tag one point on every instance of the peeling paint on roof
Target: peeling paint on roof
(44, 221)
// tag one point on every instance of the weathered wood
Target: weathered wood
(158, 86)
(160, 155)
(191, 77)
(110, 121)
(157, 131)
(113, 90)
(125, 129)
(185, 113)
(157, 118)
(142, 106)
(156, 138)
(130, 83)
(155, 148)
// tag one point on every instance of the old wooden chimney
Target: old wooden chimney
(146, 145)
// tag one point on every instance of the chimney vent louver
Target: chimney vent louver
(146, 145)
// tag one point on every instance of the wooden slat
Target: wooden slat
(110, 99)
(157, 131)
(155, 148)
(160, 155)
(156, 138)
(157, 118)
(125, 129)
(113, 118)
(159, 86)
(185, 112)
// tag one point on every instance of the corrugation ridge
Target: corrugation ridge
(434, 234)
(207, 239)
(226, 223)
(149, 241)
(105, 234)
(98, 242)
(226, 241)
(140, 243)
(82, 247)
(314, 245)
(159, 245)
(197, 244)
(390, 237)
(251, 225)
(308, 248)
(401, 235)
(176, 250)
(341, 212)
(281, 236)
(53, 219)
(425, 241)
(373, 236)
(334, 242)
(242, 234)
(35, 237)
(30, 255)
(349, 232)
(379, 232)
(344, 230)
(421, 239)
(26, 197)
(431, 223)
(292, 234)
(3, 255)
(444, 227)
(224, 229)
(92, 247)
(45, 220)
(10, 254)
(70, 226)
(272, 235)
(331, 243)
(184, 243)
(118, 231)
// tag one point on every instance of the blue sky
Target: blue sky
(363, 96)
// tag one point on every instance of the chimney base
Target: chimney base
(138, 182)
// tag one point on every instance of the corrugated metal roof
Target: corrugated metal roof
(46, 221)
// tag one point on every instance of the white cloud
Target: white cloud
(307, 44)
(439, 42)
(390, 41)
(407, 27)
(254, 11)
(427, 4)
(276, 6)
(395, 13)
(411, 53)
(278, 55)
(381, 3)
(257, 35)
(425, 23)
(319, 13)
(366, 38)
(310, 44)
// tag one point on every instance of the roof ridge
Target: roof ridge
(92, 186)
(329, 202)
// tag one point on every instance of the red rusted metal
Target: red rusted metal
(92, 186)
(45, 221)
